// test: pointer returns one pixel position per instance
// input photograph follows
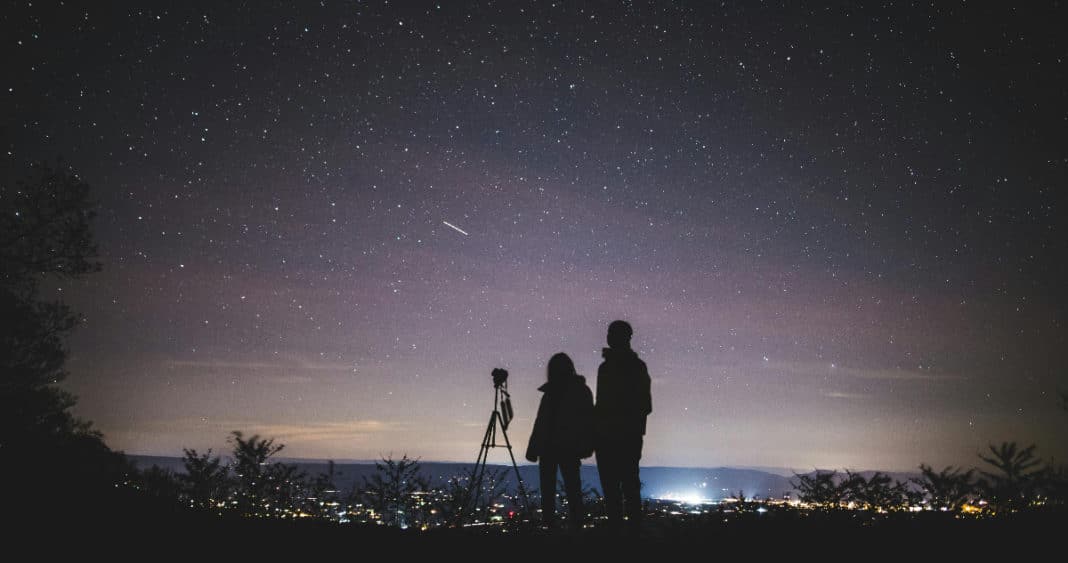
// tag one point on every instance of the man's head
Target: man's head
(619, 333)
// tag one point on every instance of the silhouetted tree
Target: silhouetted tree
(206, 481)
(1053, 484)
(391, 491)
(45, 234)
(948, 489)
(323, 494)
(455, 499)
(742, 503)
(1012, 485)
(159, 483)
(820, 488)
(878, 492)
(454, 506)
(914, 496)
(264, 489)
(1056, 478)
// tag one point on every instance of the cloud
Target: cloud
(239, 365)
(351, 431)
(901, 375)
(842, 395)
(833, 370)
(317, 431)
(289, 371)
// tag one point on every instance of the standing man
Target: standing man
(624, 400)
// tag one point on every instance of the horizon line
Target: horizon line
(525, 463)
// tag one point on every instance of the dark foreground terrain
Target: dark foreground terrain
(123, 526)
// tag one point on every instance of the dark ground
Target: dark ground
(124, 526)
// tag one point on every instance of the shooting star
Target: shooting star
(455, 228)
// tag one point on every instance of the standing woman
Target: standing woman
(562, 436)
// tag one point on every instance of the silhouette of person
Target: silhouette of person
(624, 400)
(562, 436)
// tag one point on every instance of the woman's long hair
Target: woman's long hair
(560, 368)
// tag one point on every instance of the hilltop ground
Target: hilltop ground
(142, 529)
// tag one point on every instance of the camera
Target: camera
(500, 376)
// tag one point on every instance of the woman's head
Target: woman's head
(560, 367)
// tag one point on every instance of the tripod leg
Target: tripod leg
(515, 466)
(474, 490)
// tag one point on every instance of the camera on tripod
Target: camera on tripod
(500, 376)
(499, 419)
(500, 384)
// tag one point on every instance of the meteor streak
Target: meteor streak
(455, 228)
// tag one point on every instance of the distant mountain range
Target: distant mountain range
(689, 483)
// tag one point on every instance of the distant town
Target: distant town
(409, 494)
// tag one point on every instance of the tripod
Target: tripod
(499, 417)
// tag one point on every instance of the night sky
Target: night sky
(838, 232)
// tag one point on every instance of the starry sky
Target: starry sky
(837, 231)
